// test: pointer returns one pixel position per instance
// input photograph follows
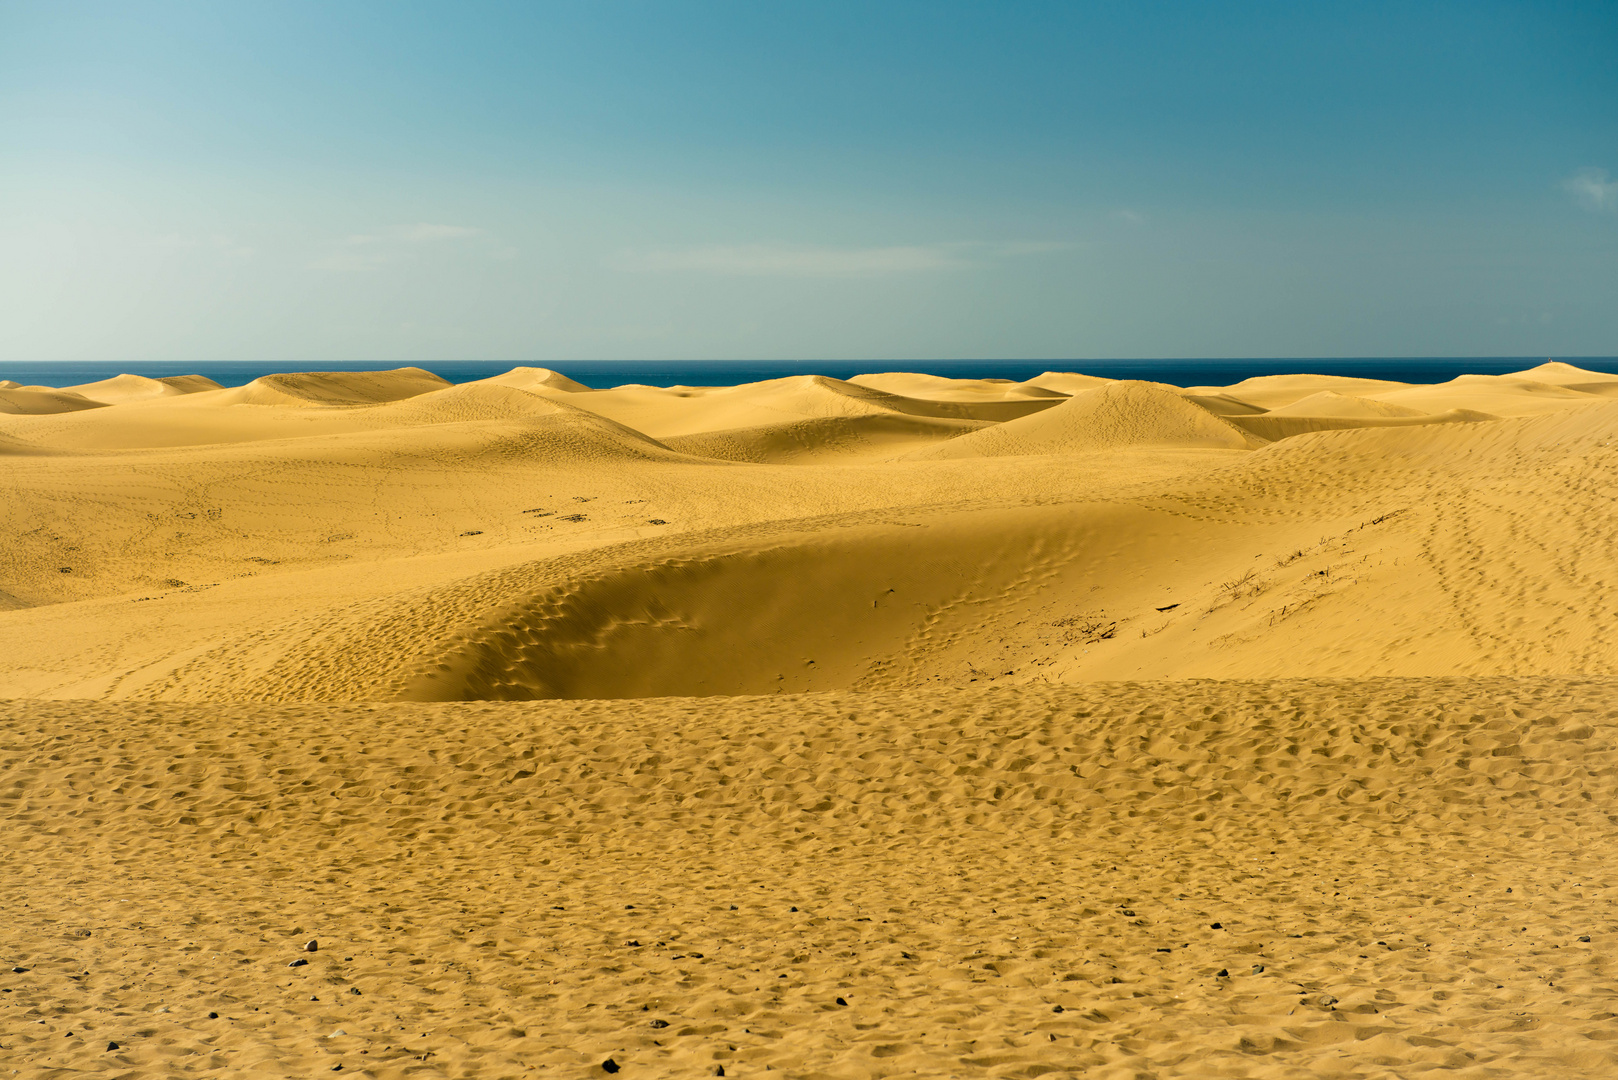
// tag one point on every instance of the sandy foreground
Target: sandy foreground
(894, 727)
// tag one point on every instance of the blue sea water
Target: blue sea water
(605, 373)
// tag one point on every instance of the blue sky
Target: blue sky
(540, 182)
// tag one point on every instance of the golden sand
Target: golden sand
(895, 727)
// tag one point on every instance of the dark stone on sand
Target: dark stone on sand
(1584, 937)
(840, 1001)
(112, 1046)
(19, 970)
(794, 909)
(733, 907)
(354, 990)
(1216, 926)
(1129, 913)
(300, 962)
(660, 1024)
(609, 1065)
(1258, 969)
(1058, 1009)
(213, 1016)
(1222, 973)
(337, 1067)
(719, 1070)
(312, 946)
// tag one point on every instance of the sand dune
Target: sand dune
(1274, 391)
(1066, 382)
(1347, 406)
(683, 410)
(1112, 417)
(1500, 395)
(1277, 425)
(1556, 373)
(939, 388)
(333, 388)
(832, 437)
(1011, 572)
(42, 401)
(538, 380)
(122, 388)
(890, 727)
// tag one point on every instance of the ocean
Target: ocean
(606, 373)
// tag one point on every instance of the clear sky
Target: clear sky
(537, 182)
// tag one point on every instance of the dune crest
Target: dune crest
(123, 388)
(1569, 377)
(317, 389)
(43, 401)
(1122, 415)
(939, 388)
(538, 380)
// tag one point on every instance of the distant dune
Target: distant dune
(123, 388)
(1113, 417)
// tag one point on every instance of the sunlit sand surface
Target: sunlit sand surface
(902, 726)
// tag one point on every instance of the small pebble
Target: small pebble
(1216, 926)
(840, 1001)
(1058, 1009)
(300, 962)
(354, 990)
(609, 1065)
(213, 1016)
(1258, 969)
(1222, 973)
(112, 1046)
(660, 1023)
(719, 1070)
(312, 946)
(19, 970)
(1584, 937)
